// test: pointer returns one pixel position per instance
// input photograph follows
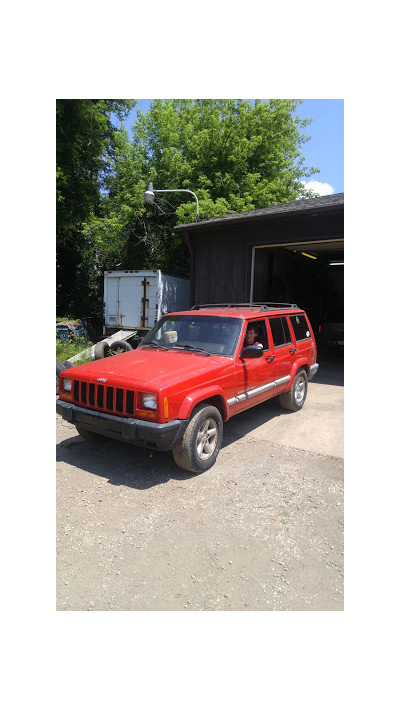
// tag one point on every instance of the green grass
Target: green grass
(81, 361)
(66, 349)
(66, 319)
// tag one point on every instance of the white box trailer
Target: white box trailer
(136, 299)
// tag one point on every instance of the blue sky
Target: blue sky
(325, 148)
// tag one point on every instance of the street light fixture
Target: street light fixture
(150, 195)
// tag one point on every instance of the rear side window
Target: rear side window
(300, 327)
(280, 331)
(288, 338)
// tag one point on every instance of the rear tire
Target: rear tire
(198, 449)
(90, 436)
(295, 398)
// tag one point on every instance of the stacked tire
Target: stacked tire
(102, 349)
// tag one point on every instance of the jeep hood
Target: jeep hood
(149, 367)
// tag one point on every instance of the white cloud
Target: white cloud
(320, 188)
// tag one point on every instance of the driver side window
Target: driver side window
(256, 332)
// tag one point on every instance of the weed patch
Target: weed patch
(66, 349)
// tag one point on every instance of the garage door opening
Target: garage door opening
(311, 275)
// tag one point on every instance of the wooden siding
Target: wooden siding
(221, 260)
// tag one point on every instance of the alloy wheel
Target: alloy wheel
(207, 438)
(300, 389)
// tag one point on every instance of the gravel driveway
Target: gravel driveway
(261, 530)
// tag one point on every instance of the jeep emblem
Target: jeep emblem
(103, 380)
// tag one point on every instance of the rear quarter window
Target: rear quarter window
(280, 331)
(300, 327)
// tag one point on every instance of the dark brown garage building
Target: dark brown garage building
(287, 252)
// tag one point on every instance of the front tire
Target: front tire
(199, 447)
(295, 398)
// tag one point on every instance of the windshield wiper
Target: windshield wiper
(192, 348)
(154, 344)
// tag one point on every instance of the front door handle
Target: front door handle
(293, 350)
(270, 358)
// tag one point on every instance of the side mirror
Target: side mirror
(252, 352)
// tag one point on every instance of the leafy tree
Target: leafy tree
(85, 153)
(235, 155)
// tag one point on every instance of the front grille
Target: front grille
(110, 399)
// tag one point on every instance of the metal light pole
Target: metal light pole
(150, 195)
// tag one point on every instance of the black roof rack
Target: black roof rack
(266, 306)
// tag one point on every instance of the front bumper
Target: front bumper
(126, 429)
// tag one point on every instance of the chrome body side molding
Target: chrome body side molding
(257, 391)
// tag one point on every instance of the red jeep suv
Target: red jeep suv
(192, 372)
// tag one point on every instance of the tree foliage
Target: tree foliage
(85, 152)
(236, 155)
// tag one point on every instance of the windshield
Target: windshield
(215, 335)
